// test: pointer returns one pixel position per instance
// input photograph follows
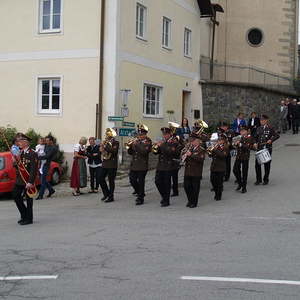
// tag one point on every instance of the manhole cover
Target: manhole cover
(296, 212)
(292, 145)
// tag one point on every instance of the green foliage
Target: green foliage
(34, 136)
(9, 132)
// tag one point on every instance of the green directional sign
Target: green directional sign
(128, 124)
(115, 118)
(126, 131)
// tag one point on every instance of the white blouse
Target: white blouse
(78, 148)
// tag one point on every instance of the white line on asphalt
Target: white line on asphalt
(31, 277)
(244, 280)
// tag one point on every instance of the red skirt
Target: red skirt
(75, 179)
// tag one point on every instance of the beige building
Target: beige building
(260, 34)
(51, 70)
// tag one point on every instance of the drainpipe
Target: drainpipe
(101, 67)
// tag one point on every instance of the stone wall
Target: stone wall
(223, 101)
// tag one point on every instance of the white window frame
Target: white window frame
(187, 47)
(51, 29)
(138, 9)
(160, 101)
(166, 35)
(50, 111)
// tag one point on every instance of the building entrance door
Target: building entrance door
(186, 106)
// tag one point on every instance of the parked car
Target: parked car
(8, 173)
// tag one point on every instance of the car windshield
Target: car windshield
(1, 163)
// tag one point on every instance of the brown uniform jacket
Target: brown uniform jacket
(243, 150)
(140, 154)
(168, 151)
(219, 155)
(194, 164)
(111, 163)
(30, 162)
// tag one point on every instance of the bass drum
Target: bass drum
(263, 156)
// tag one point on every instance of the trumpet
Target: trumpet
(130, 143)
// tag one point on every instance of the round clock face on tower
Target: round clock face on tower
(255, 37)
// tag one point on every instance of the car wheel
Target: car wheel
(55, 177)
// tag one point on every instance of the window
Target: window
(2, 165)
(152, 100)
(141, 15)
(187, 42)
(166, 33)
(50, 16)
(255, 37)
(49, 100)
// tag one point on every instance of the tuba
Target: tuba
(109, 134)
(200, 125)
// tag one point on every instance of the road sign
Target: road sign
(126, 131)
(115, 118)
(128, 124)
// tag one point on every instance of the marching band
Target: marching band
(173, 152)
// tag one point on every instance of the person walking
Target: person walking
(28, 163)
(50, 152)
(295, 116)
(265, 137)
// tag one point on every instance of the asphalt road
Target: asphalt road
(120, 251)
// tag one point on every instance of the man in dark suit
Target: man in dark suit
(29, 160)
(253, 123)
(295, 116)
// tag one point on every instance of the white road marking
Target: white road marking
(243, 280)
(30, 277)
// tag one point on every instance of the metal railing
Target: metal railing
(245, 74)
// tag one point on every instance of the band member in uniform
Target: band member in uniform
(219, 153)
(175, 130)
(193, 156)
(139, 147)
(167, 151)
(265, 136)
(26, 167)
(109, 150)
(229, 133)
(241, 165)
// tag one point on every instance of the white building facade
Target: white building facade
(50, 64)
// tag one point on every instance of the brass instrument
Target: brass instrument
(130, 142)
(201, 125)
(109, 134)
(155, 147)
(188, 148)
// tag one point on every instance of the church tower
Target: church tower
(260, 33)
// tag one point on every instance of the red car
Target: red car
(8, 173)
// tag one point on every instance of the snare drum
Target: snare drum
(263, 156)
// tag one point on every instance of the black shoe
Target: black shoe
(25, 222)
(266, 182)
(104, 198)
(188, 204)
(20, 221)
(244, 190)
(192, 206)
(51, 193)
(212, 189)
(238, 188)
(39, 198)
(257, 182)
(218, 199)
(139, 202)
(165, 204)
(109, 200)
(174, 195)
(134, 193)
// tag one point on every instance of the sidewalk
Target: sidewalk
(123, 181)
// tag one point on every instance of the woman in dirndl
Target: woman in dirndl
(79, 170)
